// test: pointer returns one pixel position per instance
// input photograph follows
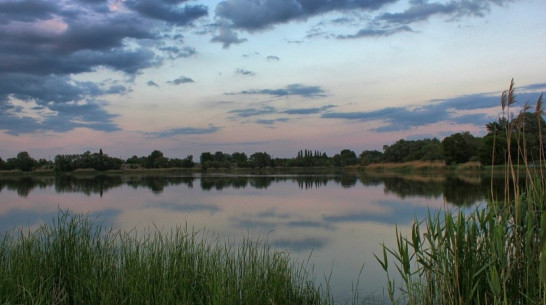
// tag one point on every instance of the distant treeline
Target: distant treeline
(527, 130)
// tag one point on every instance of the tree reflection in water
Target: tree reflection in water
(455, 190)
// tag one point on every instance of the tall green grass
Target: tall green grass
(493, 255)
(75, 261)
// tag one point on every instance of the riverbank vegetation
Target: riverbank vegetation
(494, 255)
(75, 261)
(513, 137)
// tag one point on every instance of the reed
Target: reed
(408, 166)
(495, 254)
(75, 261)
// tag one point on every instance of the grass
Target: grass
(74, 261)
(493, 255)
(408, 166)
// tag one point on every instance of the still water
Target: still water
(338, 220)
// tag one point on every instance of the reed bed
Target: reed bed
(408, 166)
(75, 261)
(495, 254)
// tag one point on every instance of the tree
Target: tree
(368, 157)
(460, 147)
(24, 161)
(240, 159)
(260, 160)
(156, 160)
(396, 152)
(347, 157)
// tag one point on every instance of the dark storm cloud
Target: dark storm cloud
(27, 11)
(45, 90)
(69, 104)
(181, 80)
(82, 47)
(45, 43)
(290, 90)
(184, 131)
(252, 15)
(170, 11)
(403, 118)
(69, 117)
(396, 22)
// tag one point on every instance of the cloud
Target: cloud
(60, 104)
(268, 110)
(27, 11)
(399, 212)
(181, 80)
(304, 111)
(184, 131)
(169, 11)
(227, 36)
(244, 72)
(304, 244)
(271, 122)
(444, 110)
(151, 83)
(182, 207)
(45, 44)
(376, 32)
(176, 52)
(290, 90)
(423, 10)
(252, 15)
(273, 58)
(243, 113)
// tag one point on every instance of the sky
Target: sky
(186, 77)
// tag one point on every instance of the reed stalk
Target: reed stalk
(74, 261)
(495, 254)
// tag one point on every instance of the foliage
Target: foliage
(368, 157)
(74, 261)
(413, 150)
(495, 255)
(460, 147)
(23, 162)
(260, 160)
(87, 160)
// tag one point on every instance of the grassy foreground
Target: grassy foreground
(74, 261)
(495, 255)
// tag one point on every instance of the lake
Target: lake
(336, 220)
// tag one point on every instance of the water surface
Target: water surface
(338, 220)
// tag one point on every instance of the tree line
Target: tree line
(527, 131)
